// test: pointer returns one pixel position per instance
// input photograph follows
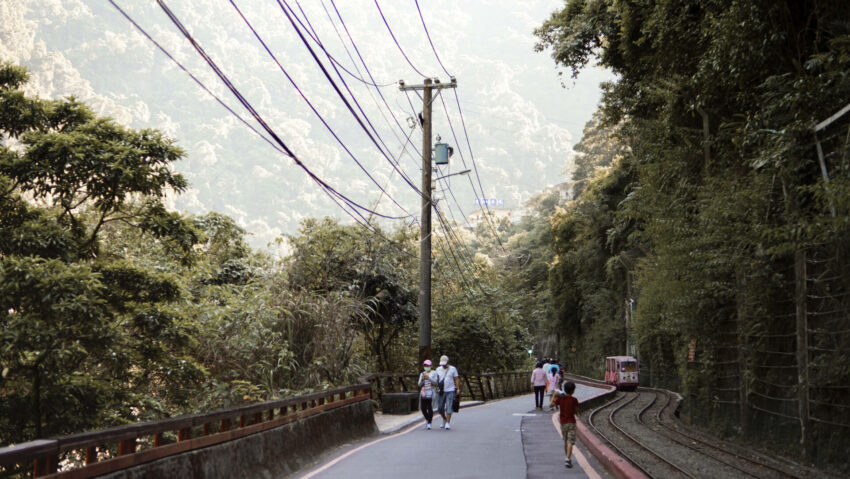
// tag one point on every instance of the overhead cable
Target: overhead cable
(385, 151)
(257, 117)
(362, 61)
(313, 108)
(427, 34)
(345, 205)
(396, 41)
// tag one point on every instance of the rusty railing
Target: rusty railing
(100, 452)
(476, 387)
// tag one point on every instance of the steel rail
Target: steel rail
(713, 446)
(619, 449)
(636, 441)
(700, 451)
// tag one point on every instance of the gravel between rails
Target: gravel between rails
(700, 463)
(601, 420)
(641, 426)
(745, 461)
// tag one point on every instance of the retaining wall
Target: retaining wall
(270, 454)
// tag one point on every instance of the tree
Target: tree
(83, 334)
(716, 104)
(378, 271)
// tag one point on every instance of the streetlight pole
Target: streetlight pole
(425, 227)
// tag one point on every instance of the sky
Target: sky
(520, 117)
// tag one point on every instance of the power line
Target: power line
(313, 108)
(277, 144)
(448, 241)
(451, 255)
(315, 38)
(396, 41)
(362, 61)
(340, 94)
(463, 123)
(475, 169)
(404, 147)
(427, 34)
(334, 195)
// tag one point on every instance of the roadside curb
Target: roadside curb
(613, 462)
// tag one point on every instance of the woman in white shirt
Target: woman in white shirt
(553, 381)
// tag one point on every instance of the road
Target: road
(499, 439)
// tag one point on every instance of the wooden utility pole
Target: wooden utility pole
(802, 352)
(425, 227)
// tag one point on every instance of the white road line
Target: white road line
(364, 446)
(582, 461)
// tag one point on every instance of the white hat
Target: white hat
(444, 360)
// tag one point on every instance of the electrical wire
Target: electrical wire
(341, 95)
(247, 105)
(428, 34)
(452, 232)
(471, 183)
(396, 41)
(463, 124)
(396, 165)
(313, 108)
(404, 147)
(315, 37)
(362, 61)
(475, 169)
(277, 144)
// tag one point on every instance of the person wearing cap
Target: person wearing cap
(448, 376)
(426, 393)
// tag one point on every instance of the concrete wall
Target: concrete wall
(271, 454)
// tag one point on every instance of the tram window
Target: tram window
(628, 366)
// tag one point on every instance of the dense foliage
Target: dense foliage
(717, 196)
(114, 309)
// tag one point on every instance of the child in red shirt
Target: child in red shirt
(568, 406)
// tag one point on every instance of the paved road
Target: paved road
(493, 440)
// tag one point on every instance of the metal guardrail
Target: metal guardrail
(88, 454)
(476, 387)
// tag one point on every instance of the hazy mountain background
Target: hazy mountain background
(522, 122)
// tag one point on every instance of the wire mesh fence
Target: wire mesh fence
(778, 369)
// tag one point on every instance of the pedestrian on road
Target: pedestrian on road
(448, 384)
(553, 383)
(538, 381)
(426, 393)
(569, 407)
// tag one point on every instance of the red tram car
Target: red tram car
(622, 371)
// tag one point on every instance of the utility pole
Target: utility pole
(427, 88)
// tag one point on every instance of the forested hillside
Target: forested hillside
(114, 309)
(713, 210)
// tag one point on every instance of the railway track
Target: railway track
(636, 426)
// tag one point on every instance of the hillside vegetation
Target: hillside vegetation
(114, 309)
(712, 214)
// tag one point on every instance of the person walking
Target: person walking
(426, 393)
(538, 381)
(448, 383)
(569, 407)
(553, 381)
